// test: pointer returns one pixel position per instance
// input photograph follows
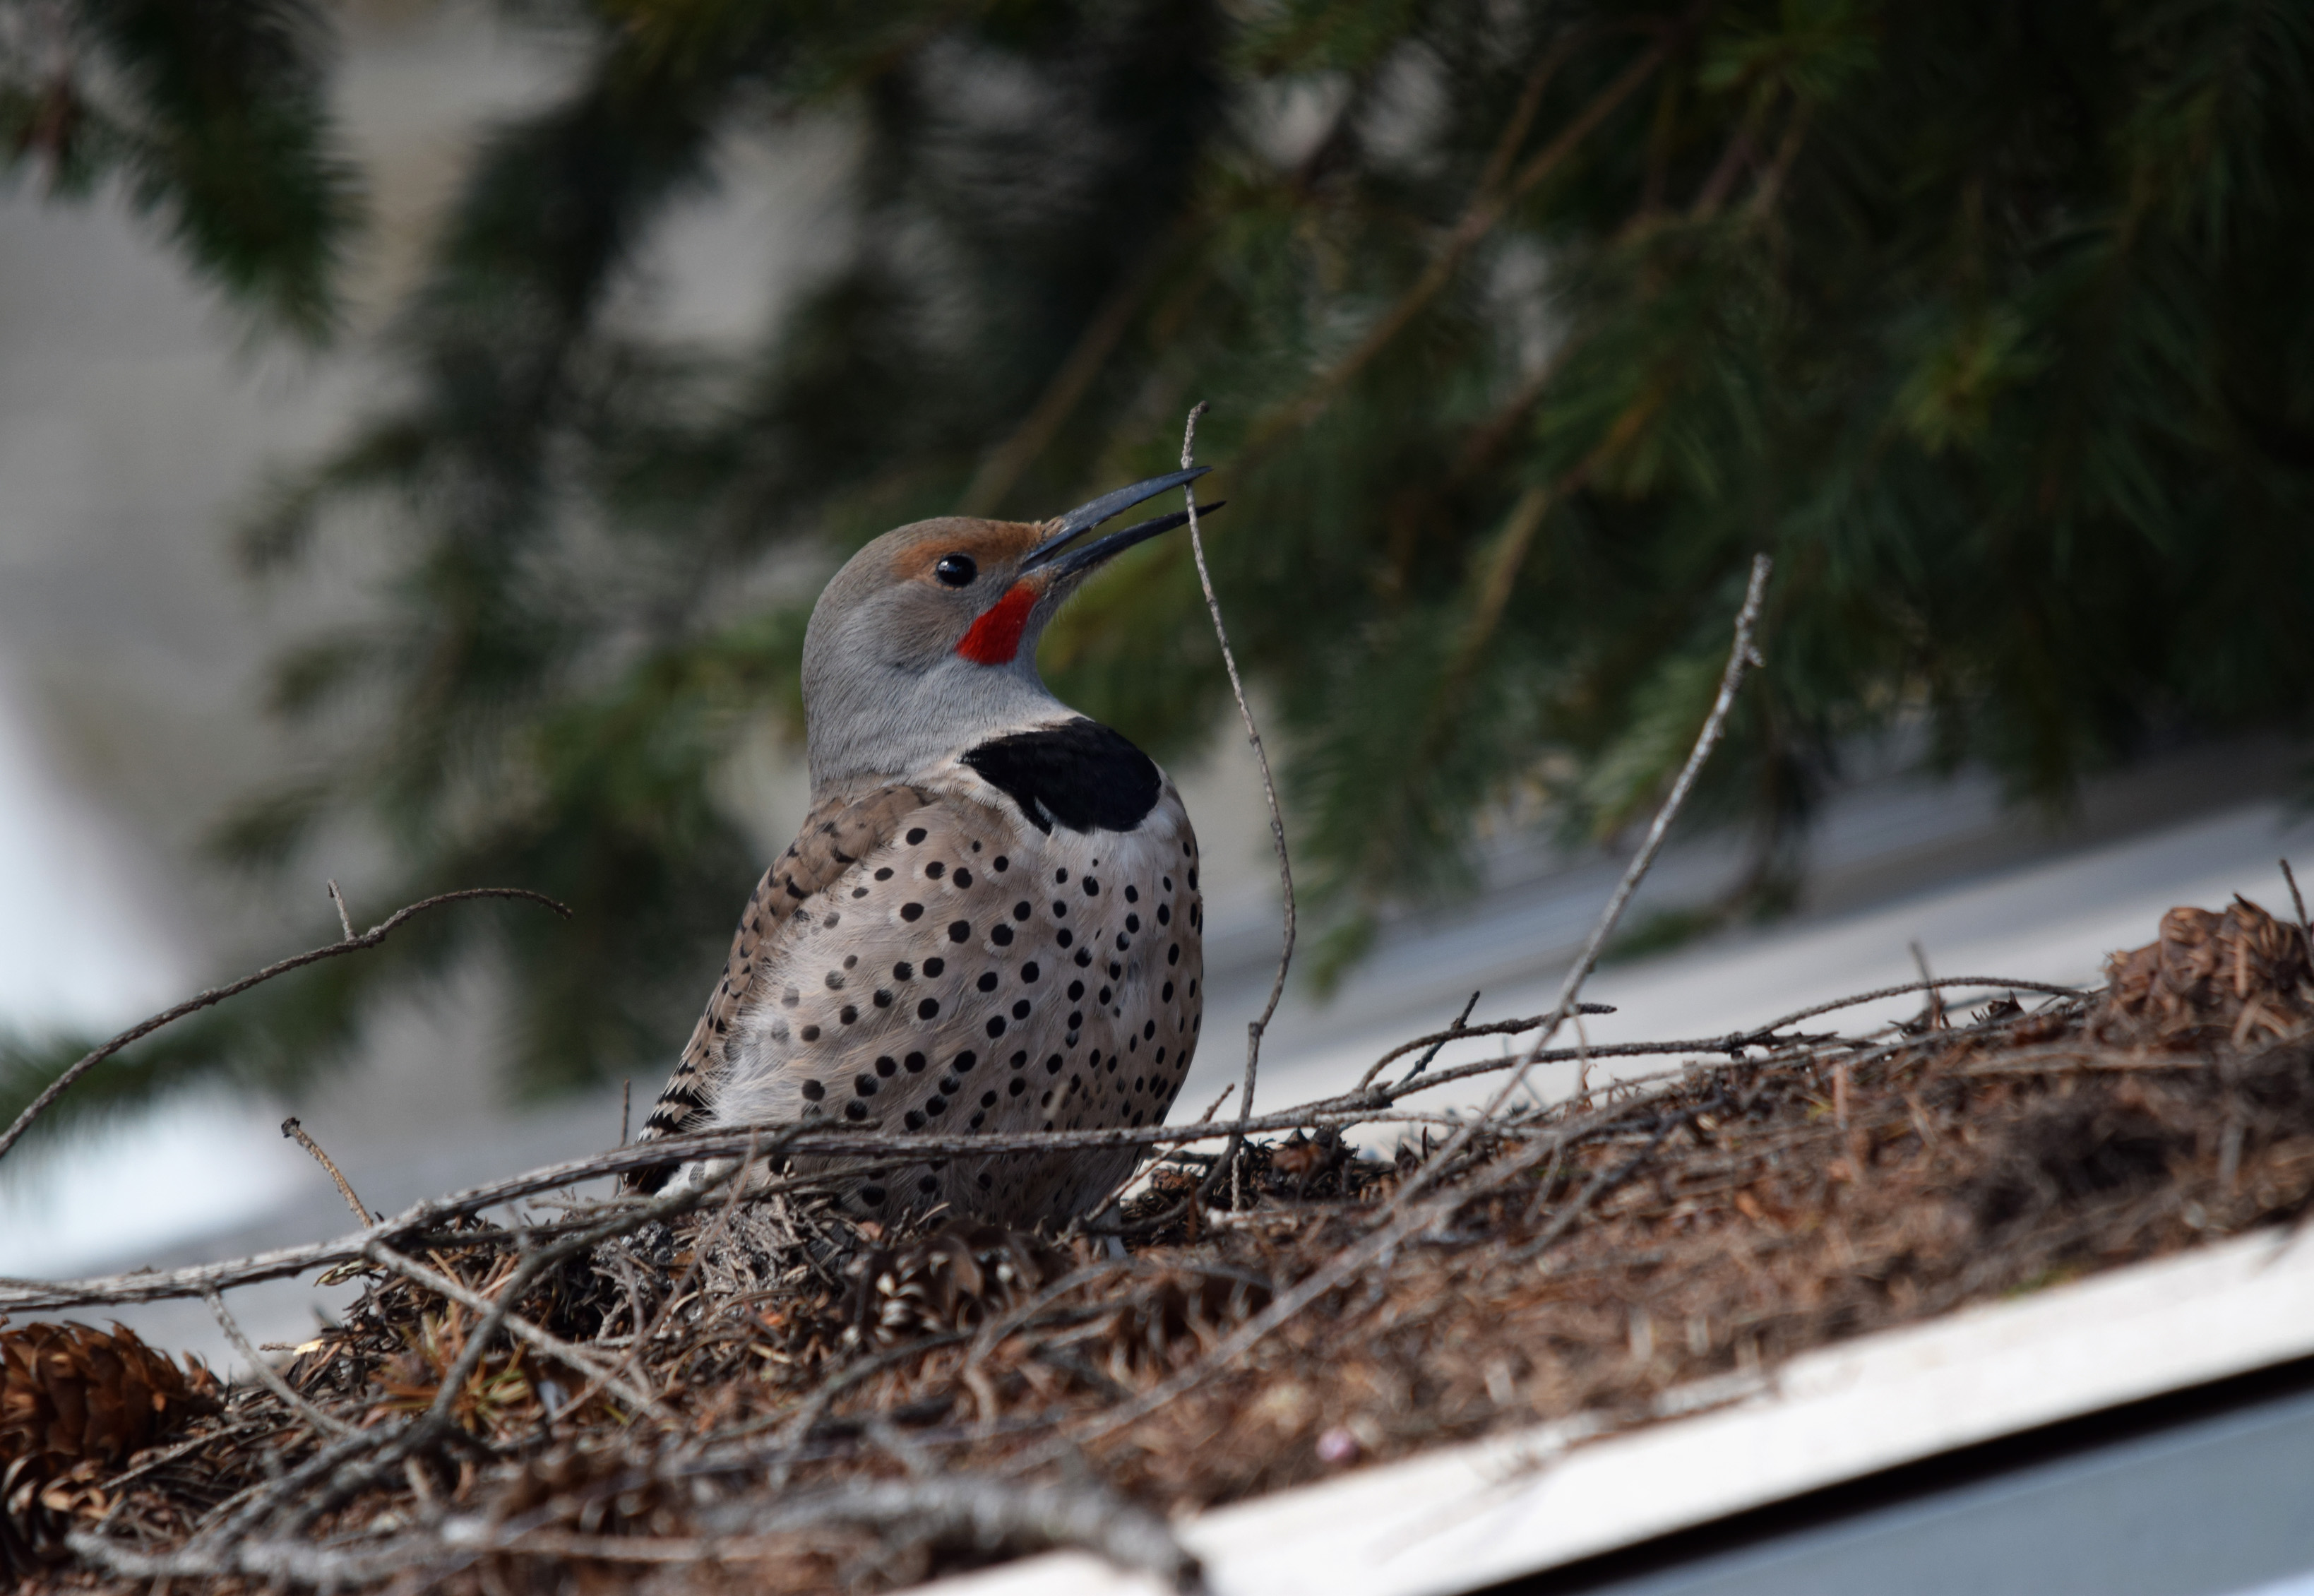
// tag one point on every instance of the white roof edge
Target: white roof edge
(1470, 1515)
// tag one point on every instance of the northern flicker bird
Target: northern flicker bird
(990, 922)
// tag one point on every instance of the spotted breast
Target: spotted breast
(1017, 950)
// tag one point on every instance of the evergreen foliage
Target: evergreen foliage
(214, 116)
(1525, 326)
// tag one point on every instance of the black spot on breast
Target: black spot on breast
(1030, 971)
(959, 931)
(988, 983)
(911, 912)
(964, 877)
(933, 966)
(1081, 775)
(935, 870)
(915, 835)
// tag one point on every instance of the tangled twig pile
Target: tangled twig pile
(731, 1382)
(766, 1392)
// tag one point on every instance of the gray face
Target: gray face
(924, 644)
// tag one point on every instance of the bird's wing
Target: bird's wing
(836, 835)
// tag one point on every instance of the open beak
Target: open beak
(1063, 562)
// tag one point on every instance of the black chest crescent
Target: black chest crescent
(1081, 775)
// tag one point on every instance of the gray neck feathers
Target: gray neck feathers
(893, 708)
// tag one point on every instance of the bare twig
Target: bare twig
(1928, 985)
(270, 1377)
(992, 1513)
(1599, 1186)
(1741, 657)
(294, 1129)
(2298, 901)
(218, 994)
(576, 1358)
(1451, 1032)
(1254, 1029)
(702, 1250)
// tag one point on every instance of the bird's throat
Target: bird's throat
(995, 638)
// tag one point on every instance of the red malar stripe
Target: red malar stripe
(995, 638)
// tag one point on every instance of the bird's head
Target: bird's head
(925, 642)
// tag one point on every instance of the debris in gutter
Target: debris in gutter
(836, 1406)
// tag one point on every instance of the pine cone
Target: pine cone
(954, 1279)
(75, 1404)
(2236, 977)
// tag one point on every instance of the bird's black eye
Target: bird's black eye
(957, 570)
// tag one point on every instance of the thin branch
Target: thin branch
(218, 994)
(1741, 657)
(1928, 985)
(2298, 901)
(294, 1129)
(1444, 1036)
(1254, 1029)
(574, 1357)
(702, 1249)
(270, 1377)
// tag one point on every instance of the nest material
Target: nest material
(2235, 978)
(832, 1406)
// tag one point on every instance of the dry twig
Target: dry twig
(218, 994)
